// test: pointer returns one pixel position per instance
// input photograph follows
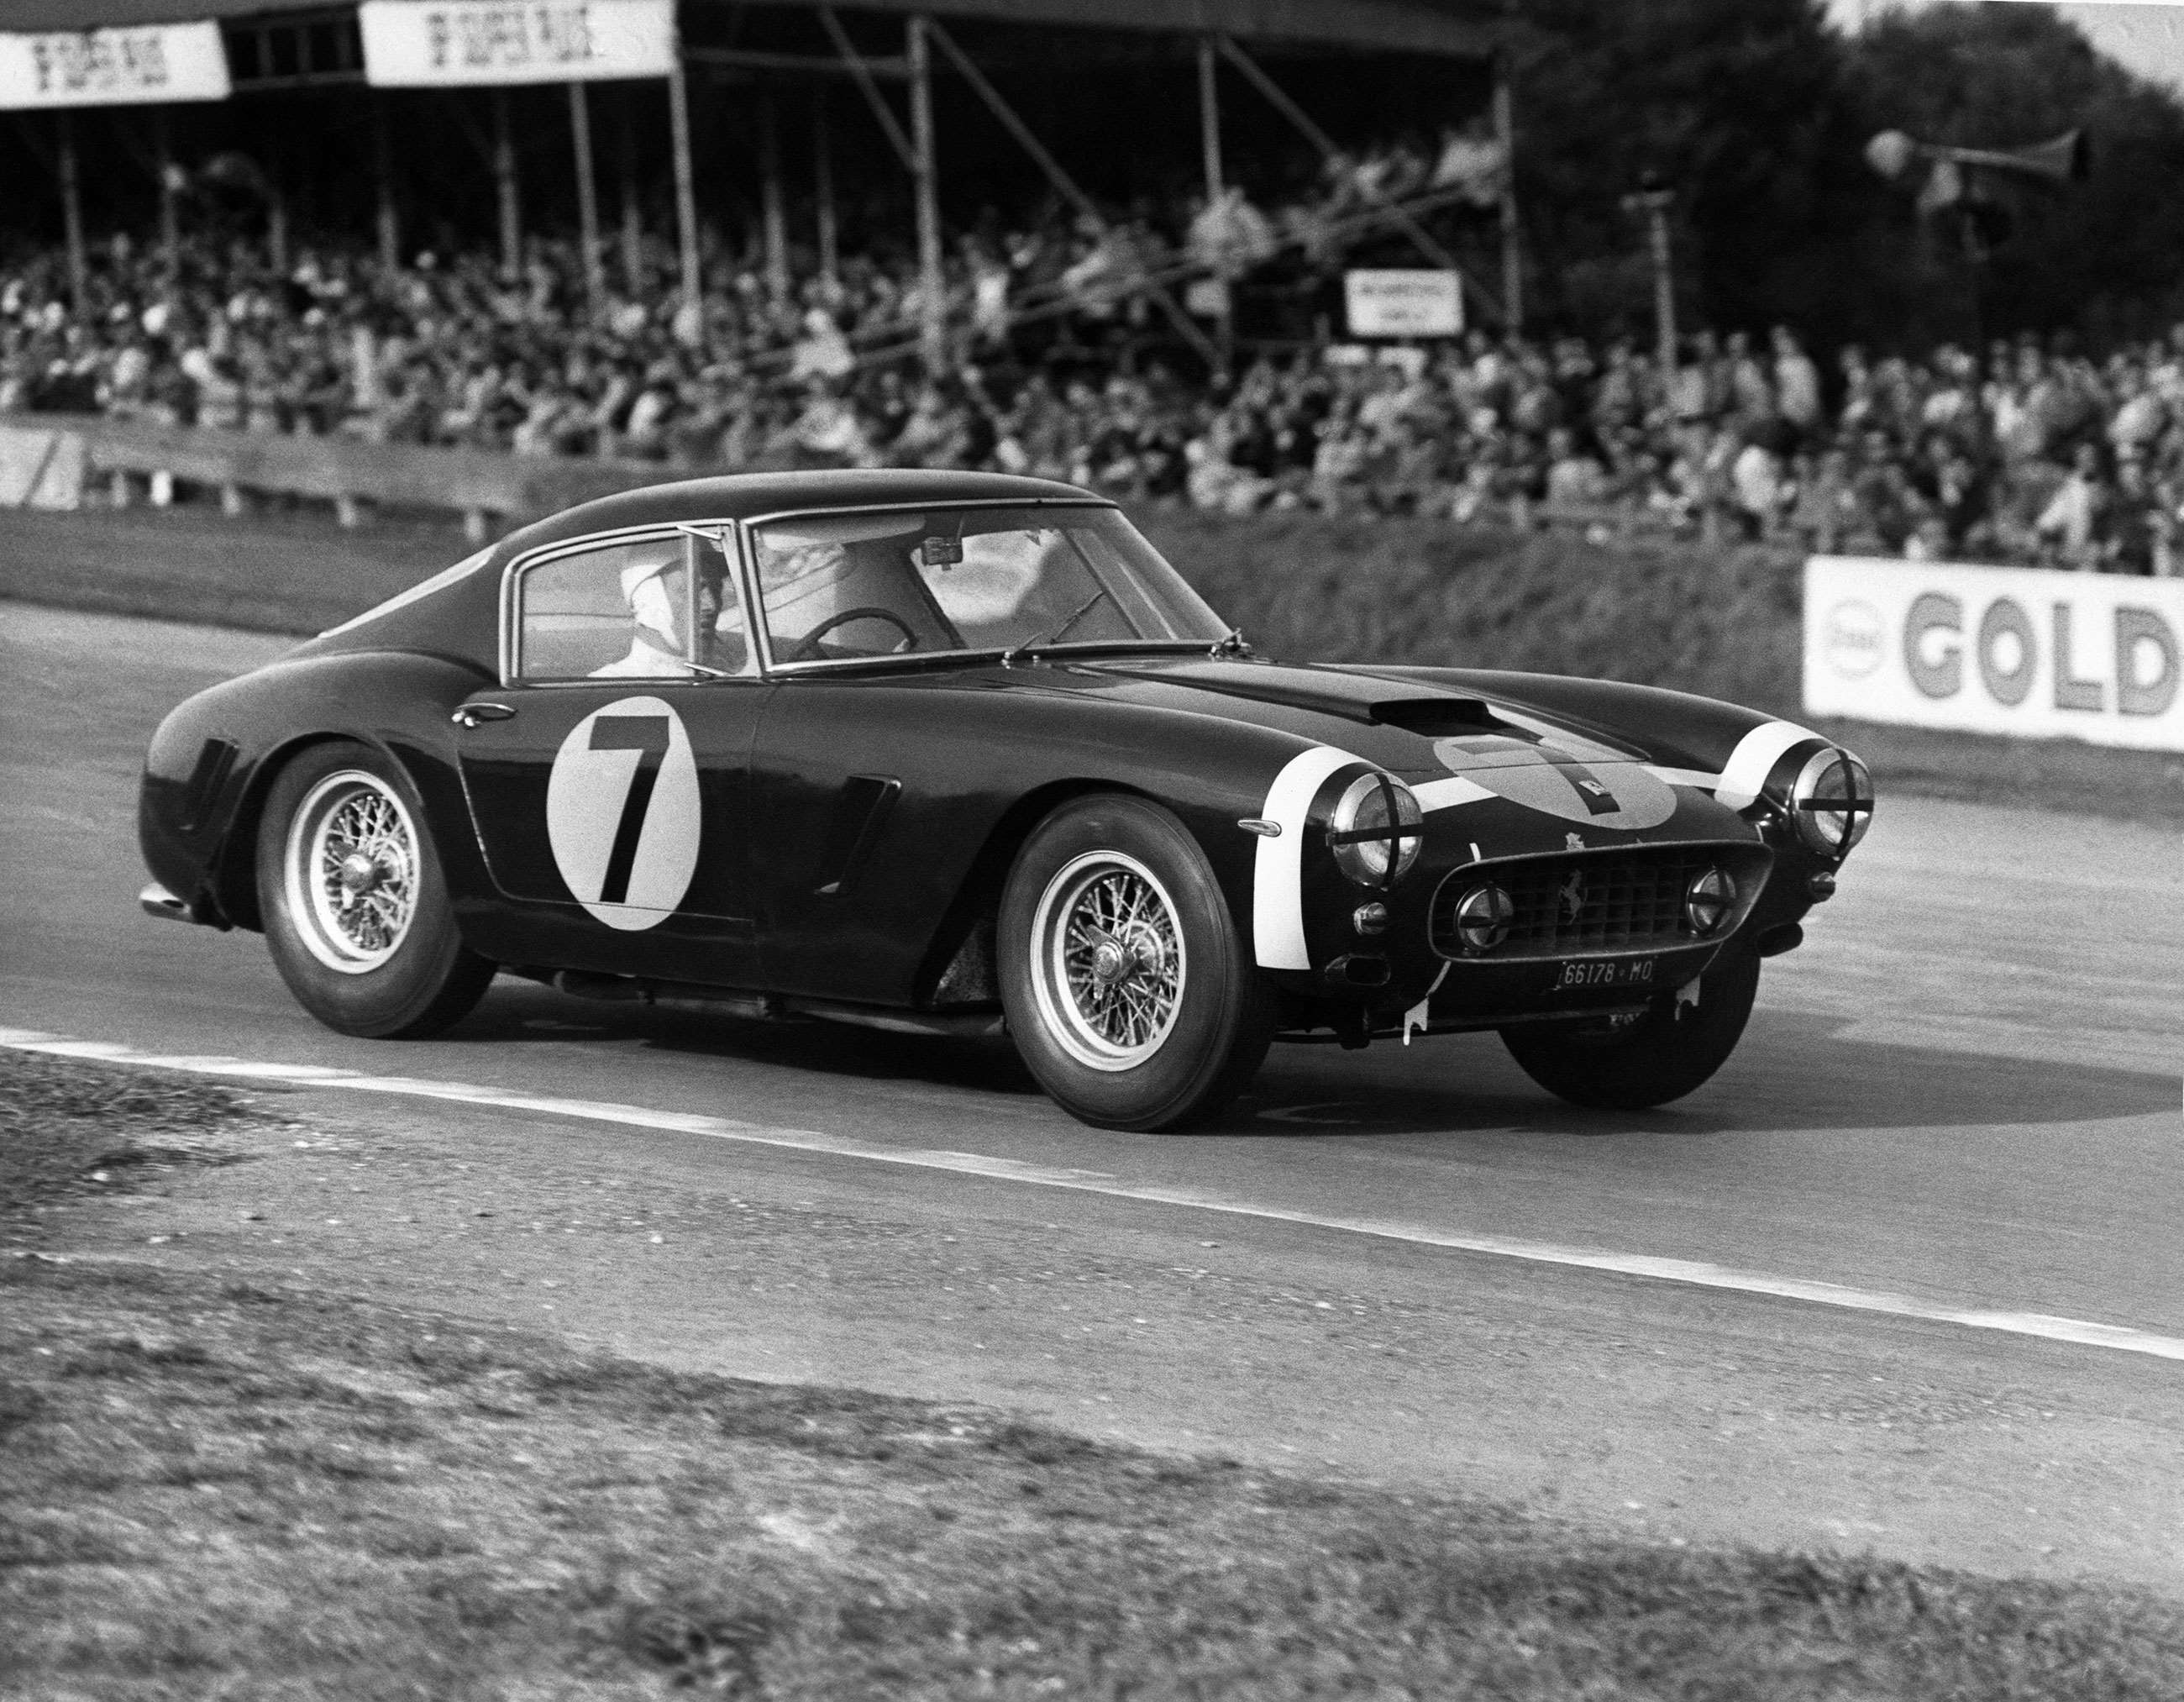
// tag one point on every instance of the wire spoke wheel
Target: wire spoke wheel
(1108, 963)
(352, 868)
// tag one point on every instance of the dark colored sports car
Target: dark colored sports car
(961, 754)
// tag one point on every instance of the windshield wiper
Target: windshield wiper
(1009, 656)
(1230, 644)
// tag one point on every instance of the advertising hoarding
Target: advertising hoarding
(2022, 651)
(463, 43)
(1413, 303)
(141, 65)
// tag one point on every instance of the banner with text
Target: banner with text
(458, 43)
(1412, 303)
(140, 66)
(2015, 651)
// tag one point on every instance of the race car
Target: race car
(961, 754)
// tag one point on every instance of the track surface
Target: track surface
(1963, 1090)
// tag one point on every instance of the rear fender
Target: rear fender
(395, 704)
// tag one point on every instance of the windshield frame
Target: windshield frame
(771, 668)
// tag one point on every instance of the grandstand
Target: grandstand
(785, 234)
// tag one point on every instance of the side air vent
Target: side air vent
(860, 812)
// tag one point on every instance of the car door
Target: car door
(608, 778)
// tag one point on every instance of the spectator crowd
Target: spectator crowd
(1063, 364)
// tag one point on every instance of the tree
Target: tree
(2102, 256)
(1738, 104)
(1758, 112)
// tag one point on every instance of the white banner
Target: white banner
(126, 67)
(1403, 303)
(438, 43)
(2015, 650)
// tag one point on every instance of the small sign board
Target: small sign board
(1413, 303)
(141, 65)
(463, 43)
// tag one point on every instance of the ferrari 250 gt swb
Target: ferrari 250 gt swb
(961, 754)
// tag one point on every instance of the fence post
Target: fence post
(931, 308)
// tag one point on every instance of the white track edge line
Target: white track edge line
(1691, 1273)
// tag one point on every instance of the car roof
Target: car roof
(457, 612)
(743, 496)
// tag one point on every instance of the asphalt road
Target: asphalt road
(1403, 1264)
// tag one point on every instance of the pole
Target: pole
(932, 324)
(633, 220)
(1664, 289)
(1209, 117)
(170, 223)
(276, 221)
(72, 215)
(1209, 143)
(822, 177)
(1505, 133)
(504, 186)
(777, 221)
(587, 196)
(1654, 204)
(686, 195)
(383, 166)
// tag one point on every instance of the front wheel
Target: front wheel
(1671, 1049)
(356, 909)
(1130, 992)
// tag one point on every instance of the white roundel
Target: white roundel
(621, 813)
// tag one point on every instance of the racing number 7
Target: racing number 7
(646, 735)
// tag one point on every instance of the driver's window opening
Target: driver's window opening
(854, 588)
(662, 608)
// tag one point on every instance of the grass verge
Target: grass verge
(212, 1488)
(1723, 621)
(69, 1129)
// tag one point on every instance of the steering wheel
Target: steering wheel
(809, 650)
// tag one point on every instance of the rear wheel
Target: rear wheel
(1671, 1049)
(1130, 990)
(356, 909)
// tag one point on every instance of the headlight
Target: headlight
(1708, 900)
(1832, 802)
(1377, 831)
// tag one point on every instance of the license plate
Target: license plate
(1615, 972)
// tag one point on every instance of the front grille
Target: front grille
(1598, 902)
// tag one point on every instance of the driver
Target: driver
(657, 592)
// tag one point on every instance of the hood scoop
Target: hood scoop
(1438, 717)
(1324, 691)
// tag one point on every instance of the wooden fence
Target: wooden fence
(62, 458)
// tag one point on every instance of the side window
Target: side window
(645, 609)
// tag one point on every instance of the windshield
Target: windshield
(853, 587)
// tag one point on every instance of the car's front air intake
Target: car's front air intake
(1576, 903)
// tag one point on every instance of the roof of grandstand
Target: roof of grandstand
(1412, 26)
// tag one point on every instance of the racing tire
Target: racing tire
(1673, 1048)
(355, 906)
(1131, 993)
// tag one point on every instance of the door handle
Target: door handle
(471, 714)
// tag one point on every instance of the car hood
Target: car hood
(1454, 746)
(1402, 725)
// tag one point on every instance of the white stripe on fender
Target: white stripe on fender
(1446, 795)
(1277, 880)
(1694, 1273)
(1757, 752)
(1683, 777)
